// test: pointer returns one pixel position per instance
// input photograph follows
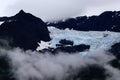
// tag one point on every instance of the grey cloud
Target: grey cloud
(114, 73)
(48, 10)
(60, 9)
(33, 65)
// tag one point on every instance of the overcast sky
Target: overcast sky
(58, 9)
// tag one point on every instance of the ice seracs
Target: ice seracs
(96, 39)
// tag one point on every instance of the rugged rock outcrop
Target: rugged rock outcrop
(68, 47)
(24, 30)
(4, 18)
(91, 72)
(115, 50)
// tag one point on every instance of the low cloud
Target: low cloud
(33, 65)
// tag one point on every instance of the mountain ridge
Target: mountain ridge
(107, 21)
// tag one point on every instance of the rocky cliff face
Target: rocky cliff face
(24, 30)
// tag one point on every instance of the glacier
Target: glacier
(96, 39)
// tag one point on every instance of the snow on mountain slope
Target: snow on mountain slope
(1, 22)
(96, 39)
(43, 45)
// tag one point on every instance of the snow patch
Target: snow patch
(1, 22)
(43, 45)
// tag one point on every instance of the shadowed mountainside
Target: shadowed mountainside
(24, 30)
(108, 20)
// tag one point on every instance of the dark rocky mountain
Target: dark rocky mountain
(87, 73)
(24, 30)
(106, 21)
(115, 50)
(67, 46)
(4, 18)
(5, 69)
